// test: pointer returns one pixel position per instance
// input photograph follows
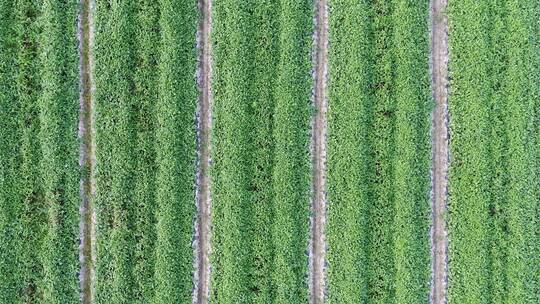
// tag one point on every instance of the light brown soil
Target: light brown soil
(87, 152)
(202, 229)
(439, 234)
(318, 244)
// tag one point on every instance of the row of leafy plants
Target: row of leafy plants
(146, 96)
(493, 207)
(378, 152)
(115, 151)
(260, 173)
(39, 175)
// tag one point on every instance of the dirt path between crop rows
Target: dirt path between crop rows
(87, 158)
(318, 208)
(204, 121)
(440, 158)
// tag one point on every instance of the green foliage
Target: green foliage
(381, 271)
(175, 152)
(31, 202)
(493, 195)
(266, 55)
(412, 161)
(145, 110)
(292, 161)
(498, 247)
(469, 186)
(535, 144)
(231, 149)
(39, 155)
(146, 93)
(260, 176)
(59, 116)
(378, 153)
(521, 92)
(10, 204)
(115, 151)
(349, 159)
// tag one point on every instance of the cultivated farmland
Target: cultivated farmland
(145, 139)
(378, 153)
(493, 208)
(261, 173)
(39, 181)
(272, 151)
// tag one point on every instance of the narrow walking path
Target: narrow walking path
(318, 244)
(440, 137)
(202, 247)
(87, 151)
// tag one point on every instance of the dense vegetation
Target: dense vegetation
(115, 152)
(39, 152)
(146, 92)
(261, 143)
(291, 137)
(58, 117)
(494, 168)
(9, 148)
(378, 153)
(145, 143)
(175, 152)
(378, 150)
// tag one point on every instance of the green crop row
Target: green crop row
(350, 97)
(469, 184)
(291, 179)
(522, 93)
(175, 151)
(9, 143)
(413, 152)
(260, 175)
(39, 155)
(115, 151)
(30, 200)
(265, 20)
(146, 92)
(498, 157)
(145, 142)
(230, 172)
(380, 258)
(493, 208)
(378, 153)
(20, 87)
(59, 116)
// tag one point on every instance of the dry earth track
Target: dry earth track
(87, 151)
(204, 121)
(440, 158)
(318, 244)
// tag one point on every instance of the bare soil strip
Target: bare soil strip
(440, 158)
(204, 121)
(318, 243)
(87, 152)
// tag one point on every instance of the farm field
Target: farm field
(145, 145)
(260, 177)
(493, 207)
(272, 151)
(378, 153)
(39, 175)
